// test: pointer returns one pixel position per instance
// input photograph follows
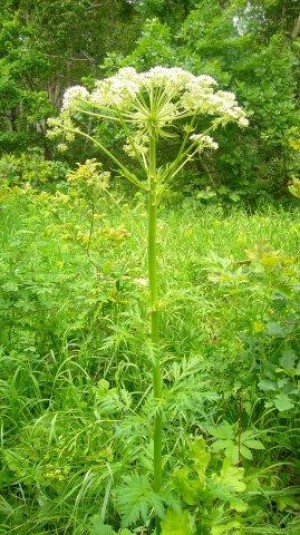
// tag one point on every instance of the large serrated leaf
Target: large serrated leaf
(288, 359)
(232, 476)
(226, 529)
(267, 385)
(136, 498)
(177, 523)
(253, 444)
(200, 454)
(238, 505)
(187, 487)
(274, 328)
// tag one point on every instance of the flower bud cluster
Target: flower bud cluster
(204, 142)
(137, 145)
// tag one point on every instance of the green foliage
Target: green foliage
(245, 46)
(177, 523)
(249, 46)
(136, 500)
(166, 10)
(31, 169)
(201, 484)
(88, 182)
(46, 47)
(76, 416)
(235, 444)
(99, 528)
(154, 47)
(294, 142)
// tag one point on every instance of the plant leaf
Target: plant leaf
(98, 528)
(177, 523)
(253, 444)
(288, 359)
(282, 402)
(188, 488)
(201, 456)
(220, 445)
(223, 431)
(225, 529)
(246, 453)
(232, 476)
(135, 500)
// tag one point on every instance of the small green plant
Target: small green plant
(150, 108)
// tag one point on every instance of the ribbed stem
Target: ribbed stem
(153, 285)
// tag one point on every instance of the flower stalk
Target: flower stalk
(154, 315)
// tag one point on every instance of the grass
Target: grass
(76, 408)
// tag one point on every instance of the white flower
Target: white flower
(204, 142)
(152, 101)
(172, 79)
(243, 121)
(118, 91)
(206, 81)
(73, 94)
(201, 99)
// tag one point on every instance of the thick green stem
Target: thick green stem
(152, 267)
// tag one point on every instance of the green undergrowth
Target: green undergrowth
(76, 408)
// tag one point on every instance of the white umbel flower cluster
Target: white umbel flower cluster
(172, 93)
(159, 103)
(122, 89)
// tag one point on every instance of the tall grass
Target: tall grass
(76, 411)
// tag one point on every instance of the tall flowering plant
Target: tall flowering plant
(161, 103)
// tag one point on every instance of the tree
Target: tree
(46, 46)
(249, 45)
(172, 11)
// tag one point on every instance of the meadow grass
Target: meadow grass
(76, 406)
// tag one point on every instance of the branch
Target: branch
(124, 171)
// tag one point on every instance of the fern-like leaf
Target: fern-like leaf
(136, 500)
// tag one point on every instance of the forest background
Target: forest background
(250, 47)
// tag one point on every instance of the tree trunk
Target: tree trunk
(296, 30)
